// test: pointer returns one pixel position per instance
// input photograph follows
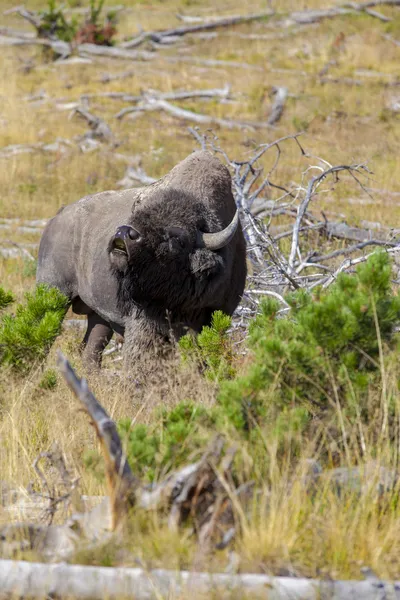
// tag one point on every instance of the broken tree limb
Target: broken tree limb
(39, 580)
(210, 62)
(113, 52)
(59, 145)
(342, 252)
(307, 17)
(377, 15)
(154, 104)
(120, 479)
(372, 4)
(108, 77)
(99, 128)
(158, 36)
(356, 234)
(390, 39)
(348, 264)
(181, 95)
(16, 251)
(311, 189)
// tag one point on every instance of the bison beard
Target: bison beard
(150, 262)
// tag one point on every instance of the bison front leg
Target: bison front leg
(97, 336)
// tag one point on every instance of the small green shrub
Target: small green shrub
(330, 339)
(6, 298)
(53, 23)
(26, 337)
(212, 347)
(176, 434)
(49, 380)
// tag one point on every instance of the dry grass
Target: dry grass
(326, 535)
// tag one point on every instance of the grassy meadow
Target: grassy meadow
(347, 116)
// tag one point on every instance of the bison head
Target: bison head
(167, 256)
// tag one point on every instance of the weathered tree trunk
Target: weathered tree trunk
(38, 580)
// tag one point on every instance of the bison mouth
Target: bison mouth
(118, 246)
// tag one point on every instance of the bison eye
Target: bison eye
(178, 234)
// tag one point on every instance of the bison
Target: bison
(149, 263)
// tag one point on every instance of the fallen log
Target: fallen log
(307, 17)
(113, 52)
(59, 145)
(158, 35)
(346, 232)
(99, 128)
(296, 17)
(16, 251)
(39, 580)
(182, 95)
(154, 104)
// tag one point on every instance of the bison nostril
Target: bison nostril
(127, 231)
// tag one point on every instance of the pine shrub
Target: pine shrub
(26, 337)
(175, 434)
(212, 348)
(6, 298)
(332, 337)
(49, 380)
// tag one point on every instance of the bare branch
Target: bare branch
(347, 264)
(311, 188)
(159, 36)
(152, 104)
(350, 250)
(120, 479)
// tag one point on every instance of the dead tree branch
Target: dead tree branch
(151, 104)
(161, 35)
(114, 52)
(349, 250)
(312, 187)
(120, 479)
(181, 95)
(99, 128)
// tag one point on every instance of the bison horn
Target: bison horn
(216, 241)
